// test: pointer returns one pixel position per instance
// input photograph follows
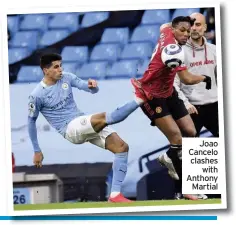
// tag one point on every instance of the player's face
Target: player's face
(54, 72)
(182, 32)
(199, 27)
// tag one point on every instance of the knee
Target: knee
(98, 121)
(124, 147)
(176, 138)
(190, 132)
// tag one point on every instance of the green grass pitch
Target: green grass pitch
(76, 205)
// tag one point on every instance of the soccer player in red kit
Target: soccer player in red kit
(160, 100)
(155, 94)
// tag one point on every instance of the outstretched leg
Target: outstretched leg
(101, 120)
(121, 113)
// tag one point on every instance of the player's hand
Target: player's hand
(207, 80)
(92, 83)
(38, 158)
(191, 109)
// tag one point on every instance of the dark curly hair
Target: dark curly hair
(179, 19)
(47, 59)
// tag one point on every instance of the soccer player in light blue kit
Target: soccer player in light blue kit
(53, 97)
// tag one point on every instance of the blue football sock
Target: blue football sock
(119, 171)
(121, 113)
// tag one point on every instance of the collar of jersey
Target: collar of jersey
(45, 85)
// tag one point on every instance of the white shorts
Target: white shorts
(80, 131)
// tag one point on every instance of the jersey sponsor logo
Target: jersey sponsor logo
(65, 86)
(158, 109)
(63, 102)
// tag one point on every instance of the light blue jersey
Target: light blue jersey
(56, 103)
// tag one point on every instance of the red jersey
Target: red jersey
(158, 79)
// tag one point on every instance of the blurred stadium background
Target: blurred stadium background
(111, 47)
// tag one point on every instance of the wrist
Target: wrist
(203, 78)
(188, 105)
(37, 150)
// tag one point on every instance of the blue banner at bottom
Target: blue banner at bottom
(108, 217)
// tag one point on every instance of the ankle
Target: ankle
(114, 194)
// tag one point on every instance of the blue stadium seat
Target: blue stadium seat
(34, 22)
(30, 74)
(205, 12)
(105, 52)
(68, 21)
(75, 53)
(123, 69)
(53, 36)
(158, 16)
(94, 70)
(13, 23)
(149, 33)
(142, 68)
(70, 67)
(137, 51)
(184, 12)
(17, 54)
(115, 35)
(27, 39)
(92, 18)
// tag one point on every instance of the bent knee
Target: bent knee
(190, 132)
(98, 121)
(175, 137)
(124, 147)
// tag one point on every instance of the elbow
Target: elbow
(187, 81)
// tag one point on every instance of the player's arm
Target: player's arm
(177, 84)
(189, 79)
(34, 108)
(89, 86)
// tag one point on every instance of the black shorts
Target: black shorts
(160, 107)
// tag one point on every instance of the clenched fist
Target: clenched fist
(92, 83)
(38, 158)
